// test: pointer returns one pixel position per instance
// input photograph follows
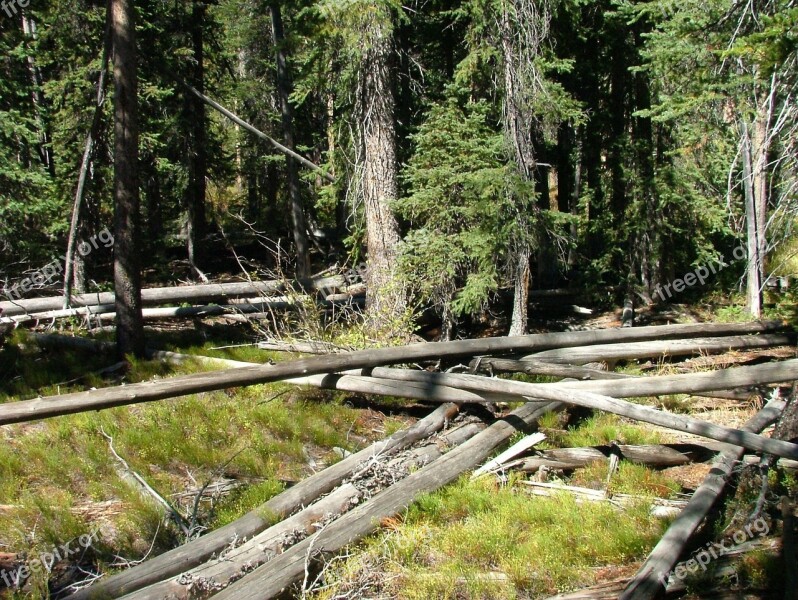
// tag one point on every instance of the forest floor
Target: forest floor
(216, 456)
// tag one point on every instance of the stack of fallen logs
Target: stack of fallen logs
(284, 542)
(237, 301)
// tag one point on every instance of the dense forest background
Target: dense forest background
(464, 147)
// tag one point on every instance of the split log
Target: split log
(661, 456)
(657, 349)
(282, 571)
(196, 552)
(647, 583)
(560, 393)
(40, 408)
(505, 457)
(210, 292)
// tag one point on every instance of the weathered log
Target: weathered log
(656, 349)
(284, 570)
(349, 381)
(301, 346)
(691, 383)
(724, 570)
(194, 553)
(27, 410)
(651, 578)
(213, 576)
(562, 392)
(210, 292)
(537, 367)
(657, 455)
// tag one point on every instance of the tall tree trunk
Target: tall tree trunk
(754, 260)
(284, 86)
(127, 271)
(74, 267)
(385, 299)
(196, 220)
(45, 151)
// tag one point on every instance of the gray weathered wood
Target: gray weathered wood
(560, 393)
(656, 349)
(656, 455)
(210, 292)
(651, 578)
(194, 553)
(40, 408)
(275, 576)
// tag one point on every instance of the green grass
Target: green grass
(601, 429)
(53, 471)
(453, 543)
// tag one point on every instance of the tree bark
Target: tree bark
(753, 244)
(127, 271)
(376, 104)
(284, 86)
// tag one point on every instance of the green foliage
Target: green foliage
(463, 199)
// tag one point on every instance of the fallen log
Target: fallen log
(658, 455)
(649, 582)
(213, 576)
(286, 569)
(661, 385)
(657, 349)
(300, 346)
(562, 392)
(724, 570)
(537, 367)
(40, 408)
(196, 552)
(205, 293)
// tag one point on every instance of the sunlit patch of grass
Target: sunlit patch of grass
(602, 429)
(474, 539)
(630, 478)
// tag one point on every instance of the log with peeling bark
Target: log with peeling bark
(657, 349)
(205, 293)
(562, 392)
(40, 408)
(648, 583)
(198, 551)
(656, 455)
(270, 580)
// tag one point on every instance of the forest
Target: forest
(225, 225)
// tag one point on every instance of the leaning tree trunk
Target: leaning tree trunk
(294, 191)
(385, 299)
(127, 271)
(74, 265)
